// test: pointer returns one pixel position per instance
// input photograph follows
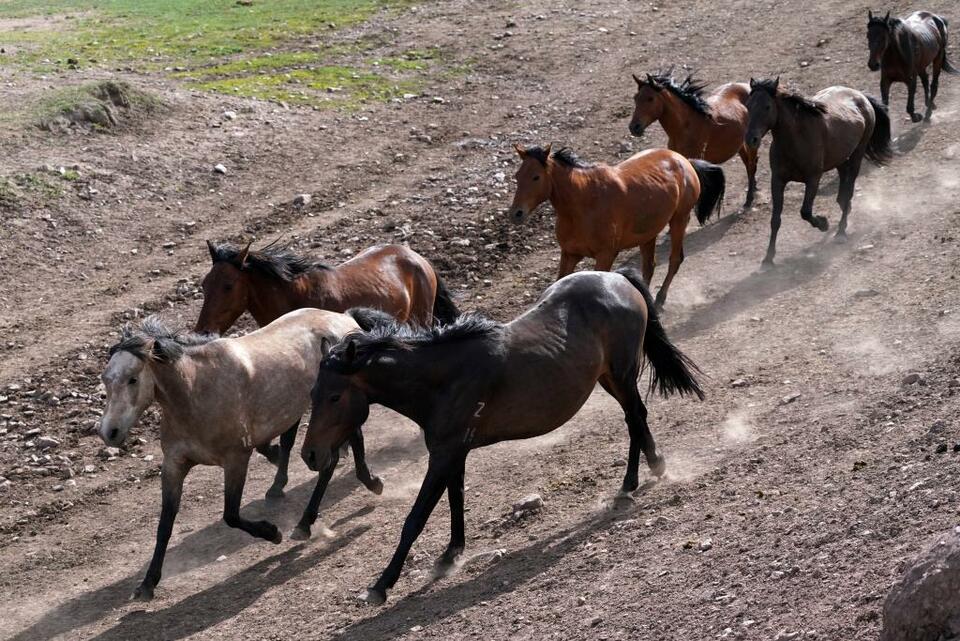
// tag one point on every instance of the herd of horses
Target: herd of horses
(383, 329)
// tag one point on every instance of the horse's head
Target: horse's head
(339, 406)
(225, 291)
(647, 104)
(130, 390)
(762, 110)
(533, 182)
(878, 38)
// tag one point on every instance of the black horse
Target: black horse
(478, 382)
(903, 49)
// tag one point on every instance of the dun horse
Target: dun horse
(903, 49)
(602, 210)
(811, 136)
(272, 281)
(698, 125)
(524, 379)
(220, 398)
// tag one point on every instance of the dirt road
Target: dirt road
(795, 491)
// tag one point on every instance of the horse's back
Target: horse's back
(729, 101)
(393, 278)
(592, 296)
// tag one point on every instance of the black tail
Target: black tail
(942, 26)
(672, 371)
(444, 309)
(712, 186)
(879, 149)
(368, 318)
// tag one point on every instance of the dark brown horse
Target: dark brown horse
(602, 210)
(903, 50)
(272, 281)
(477, 382)
(698, 125)
(811, 136)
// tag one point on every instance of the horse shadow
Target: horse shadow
(224, 600)
(430, 603)
(200, 547)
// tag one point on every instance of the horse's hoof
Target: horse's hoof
(374, 596)
(822, 223)
(767, 265)
(300, 534)
(624, 498)
(840, 238)
(376, 485)
(274, 537)
(142, 593)
(275, 492)
(659, 467)
(915, 117)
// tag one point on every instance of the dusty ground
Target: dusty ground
(813, 476)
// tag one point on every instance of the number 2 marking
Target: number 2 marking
(479, 409)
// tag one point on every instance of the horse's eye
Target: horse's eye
(132, 381)
(227, 288)
(536, 178)
(334, 398)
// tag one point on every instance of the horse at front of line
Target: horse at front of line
(220, 398)
(602, 210)
(904, 49)
(835, 129)
(477, 382)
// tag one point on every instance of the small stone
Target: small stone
(219, 168)
(942, 448)
(221, 558)
(438, 100)
(865, 293)
(148, 458)
(705, 545)
(57, 488)
(416, 628)
(581, 600)
(89, 469)
(739, 382)
(47, 442)
(302, 200)
(229, 115)
(595, 621)
(108, 452)
(789, 398)
(528, 503)
(912, 378)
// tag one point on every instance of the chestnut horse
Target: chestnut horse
(903, 49)
(524, 379)
(219, 399)
(602, 210)
(698, 125)
(811, 136)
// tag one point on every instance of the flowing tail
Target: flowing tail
(444, 309)
(712, 186)
(942, 26)
(673, 372)
(879, 149)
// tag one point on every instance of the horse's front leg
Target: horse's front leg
(885, 83)
(436, 480)
(777, 186)
(911, 95)
(568, 262)
(302, 530)
(457, 530)
(234, 478)
(371, 482)
(287, 440)
(749, 157)
(811, 187)
(171, 484)
(925, 81)
(604, 261)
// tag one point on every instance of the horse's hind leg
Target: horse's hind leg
(678, 228)
(777, 187)
(749, 157)
(848, 178)
(457, 530)
(811, 187)
(623, 387)
(648, 253)
(925, 81)
(287, 440)
(234, 478)
(935, 81)
(371, 482)
(911, 95)
(270, 452)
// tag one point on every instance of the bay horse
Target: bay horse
(698, 125)
(903, 49)
(524, 379)
(274, 280)
(220, 398)
(602, 210)
(811, 136)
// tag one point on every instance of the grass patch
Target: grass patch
(19, 188)
(94, 104)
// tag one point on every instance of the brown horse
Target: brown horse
(811, 136)
(274, 280)
(602, 210)
(903, 49)
(524, 379)
(709, 127)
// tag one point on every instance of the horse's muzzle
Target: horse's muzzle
(517, 215)
(873, 65)
(637, 129)
(316, 459)
(752, 141)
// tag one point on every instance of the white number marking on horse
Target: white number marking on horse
(479, 408)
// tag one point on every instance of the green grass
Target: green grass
(273, 49)
(104, 95)
(25, 187)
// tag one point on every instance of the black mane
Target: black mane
(565, 156)
(396, 336)
(690, 90)
(801, 102)
(274, 260)
(166, 345)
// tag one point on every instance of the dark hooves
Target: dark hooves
(915, 117)
(840, 238)
(767, 265)
(300, 533)
(376, 485)
(142, 593)
(374, 596)
(822, 223)
(272, 532)
(659, 467)
(275, 492)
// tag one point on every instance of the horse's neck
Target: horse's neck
(788, 131)
(271, 298)
(406, 382)
(677, 117)
(174, 385)
(569, 189)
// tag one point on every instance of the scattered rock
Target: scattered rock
(107, 453)
(302, 200)
(229, 115)
(47, 442)
(221, 558)
(705, 545)
(925, 604)
(865, 293)
(739, 382)
(528, 503)
(220, 169)
(913, 378)
(789, 398)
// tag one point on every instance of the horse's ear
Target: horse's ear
(869, 14)
(350, 354)
(776, 83)
(886, 18)
(242, 256)
(520, 150)
(547, 150)
(324, 347)
(753, 84)
(638, 81)
(212, 250)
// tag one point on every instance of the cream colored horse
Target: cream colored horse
(220, 398)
